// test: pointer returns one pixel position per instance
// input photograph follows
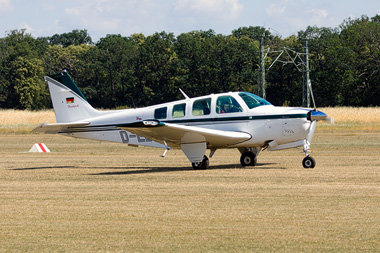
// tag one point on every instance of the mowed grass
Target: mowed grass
(96, 196)
(93, 196)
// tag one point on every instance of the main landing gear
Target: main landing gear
(248, 159)
(201, 165)
(249, 156)
(308, 162)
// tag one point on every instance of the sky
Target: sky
(101, 17)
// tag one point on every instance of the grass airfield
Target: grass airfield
(95, 196)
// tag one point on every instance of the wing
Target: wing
(57, 127)
(175, 135)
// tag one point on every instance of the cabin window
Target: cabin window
(160, 113)
(179, 111)
(202, 107)
(227, 104)
(252, 100)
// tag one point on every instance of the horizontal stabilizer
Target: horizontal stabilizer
(55, 128)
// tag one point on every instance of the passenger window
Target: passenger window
(179, 111)
(202, 107)
(160, 113)
(227, 104)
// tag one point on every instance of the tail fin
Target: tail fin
(68, 102)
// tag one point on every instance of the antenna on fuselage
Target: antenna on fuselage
(184, 94)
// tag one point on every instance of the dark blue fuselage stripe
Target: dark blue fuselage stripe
(241, 118)
(99, 128)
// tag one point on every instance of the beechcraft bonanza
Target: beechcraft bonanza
(228, 120)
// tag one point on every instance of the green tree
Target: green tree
(20, 68)
(198, 65)
(253, 32)
(361, 40)
(154, 68)
(57, 58)
(75, 38)
(115, 70)
(327, 65)
(28, 85)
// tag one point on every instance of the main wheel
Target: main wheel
(248, 159)
(308, 162)
(201, 165)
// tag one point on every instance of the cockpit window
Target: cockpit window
(252, 100)
(227, 104)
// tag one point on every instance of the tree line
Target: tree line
(139, 70)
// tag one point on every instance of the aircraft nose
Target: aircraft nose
(316, 115)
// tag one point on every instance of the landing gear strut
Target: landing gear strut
(308, 162)
(201, 165)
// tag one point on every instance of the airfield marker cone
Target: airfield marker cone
(39, 147)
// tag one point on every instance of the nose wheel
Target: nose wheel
(308, 162)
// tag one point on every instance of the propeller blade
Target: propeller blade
(329, 120)
(312, 95)
(317, 115)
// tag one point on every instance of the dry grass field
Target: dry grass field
(95, 196)
(19, 122)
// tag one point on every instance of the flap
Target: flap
(175, 134)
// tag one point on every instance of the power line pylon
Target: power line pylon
(296, 60)
(306, 76)
(261, 88)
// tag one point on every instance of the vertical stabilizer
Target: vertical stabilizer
(69, 103)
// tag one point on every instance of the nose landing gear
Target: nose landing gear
(308, 162)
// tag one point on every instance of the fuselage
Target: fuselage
(233, 111)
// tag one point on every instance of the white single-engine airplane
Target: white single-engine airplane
(228, 120)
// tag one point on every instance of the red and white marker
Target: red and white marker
(39, 147)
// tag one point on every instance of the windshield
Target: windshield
(252, 100)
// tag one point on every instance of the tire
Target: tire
(248, 159)
(202, 165)
(308, 162)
